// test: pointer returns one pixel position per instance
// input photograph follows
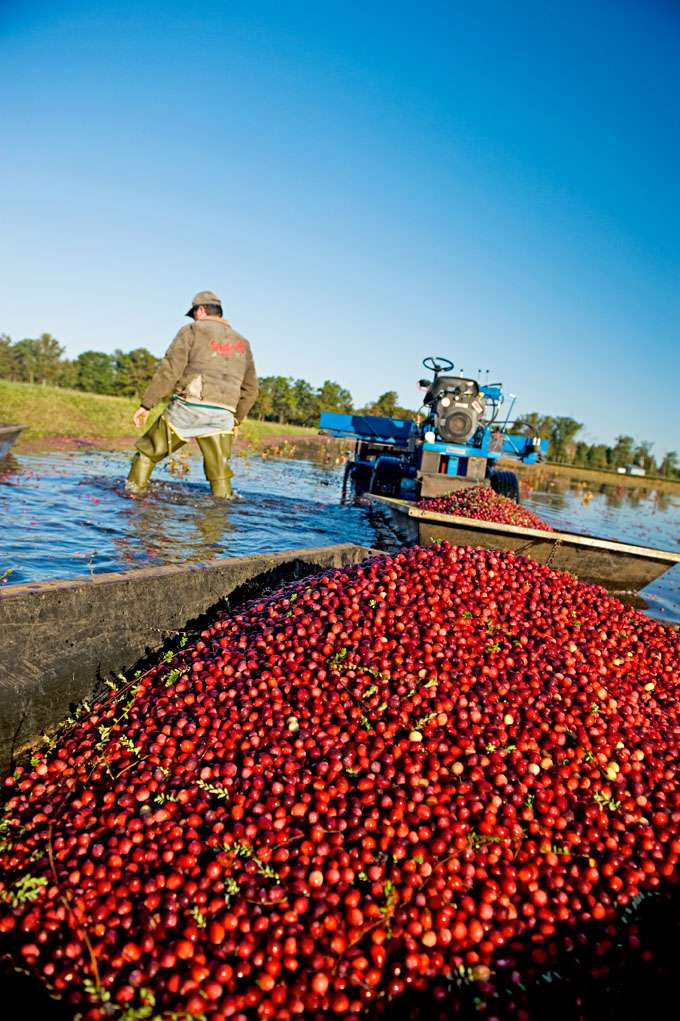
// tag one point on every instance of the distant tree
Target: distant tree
(25, 358)
(8, 365)
(560, 431)
(562, 445)
(134, 370)
(534, 424)
(96, 372)
(333, 397)
(263, 408)
(306, 403)
(643, 456)
(581, 453)
(67, 376)
(669, 466)
(385, 405)
(597, 456)
(622, 451)
(38, 359)
(283, 398)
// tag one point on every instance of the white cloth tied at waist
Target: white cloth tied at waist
(191, 419)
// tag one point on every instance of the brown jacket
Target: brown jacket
(208, 361)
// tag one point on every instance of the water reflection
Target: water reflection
(9, 466)
(198, 528)
(560, 492)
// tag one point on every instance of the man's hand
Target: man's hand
(140, 416)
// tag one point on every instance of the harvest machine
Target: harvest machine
(456, 442)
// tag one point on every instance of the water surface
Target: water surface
(640, 515)
(66, 514)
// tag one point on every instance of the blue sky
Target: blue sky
(364, 184)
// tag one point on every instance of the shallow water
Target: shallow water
(636, 514)
(66, 514)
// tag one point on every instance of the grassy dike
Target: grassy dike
(54, 414)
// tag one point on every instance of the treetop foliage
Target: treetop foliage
(565, 448)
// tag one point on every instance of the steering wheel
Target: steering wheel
(437, 364)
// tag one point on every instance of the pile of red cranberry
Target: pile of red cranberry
(483, 503)
(445, 780)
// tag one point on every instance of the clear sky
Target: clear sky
(363, 183)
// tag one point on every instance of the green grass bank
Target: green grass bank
(52, 413)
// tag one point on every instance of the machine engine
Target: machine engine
(456, 407)
(457, 445)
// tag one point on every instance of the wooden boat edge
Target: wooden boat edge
(63, 638)
(567, 538)
(7, 429)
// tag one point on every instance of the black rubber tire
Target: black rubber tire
(505, 484)
(386, 476)
(360, 476)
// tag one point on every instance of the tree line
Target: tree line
(565, 448)
(283, 399)
(127, 373)
(286, 400)
(41, 360)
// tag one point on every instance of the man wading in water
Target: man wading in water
(209, 371)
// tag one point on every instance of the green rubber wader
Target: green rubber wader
(216, 452)
(159, 441)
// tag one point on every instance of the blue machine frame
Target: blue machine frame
(394, 432)
(390, 453)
